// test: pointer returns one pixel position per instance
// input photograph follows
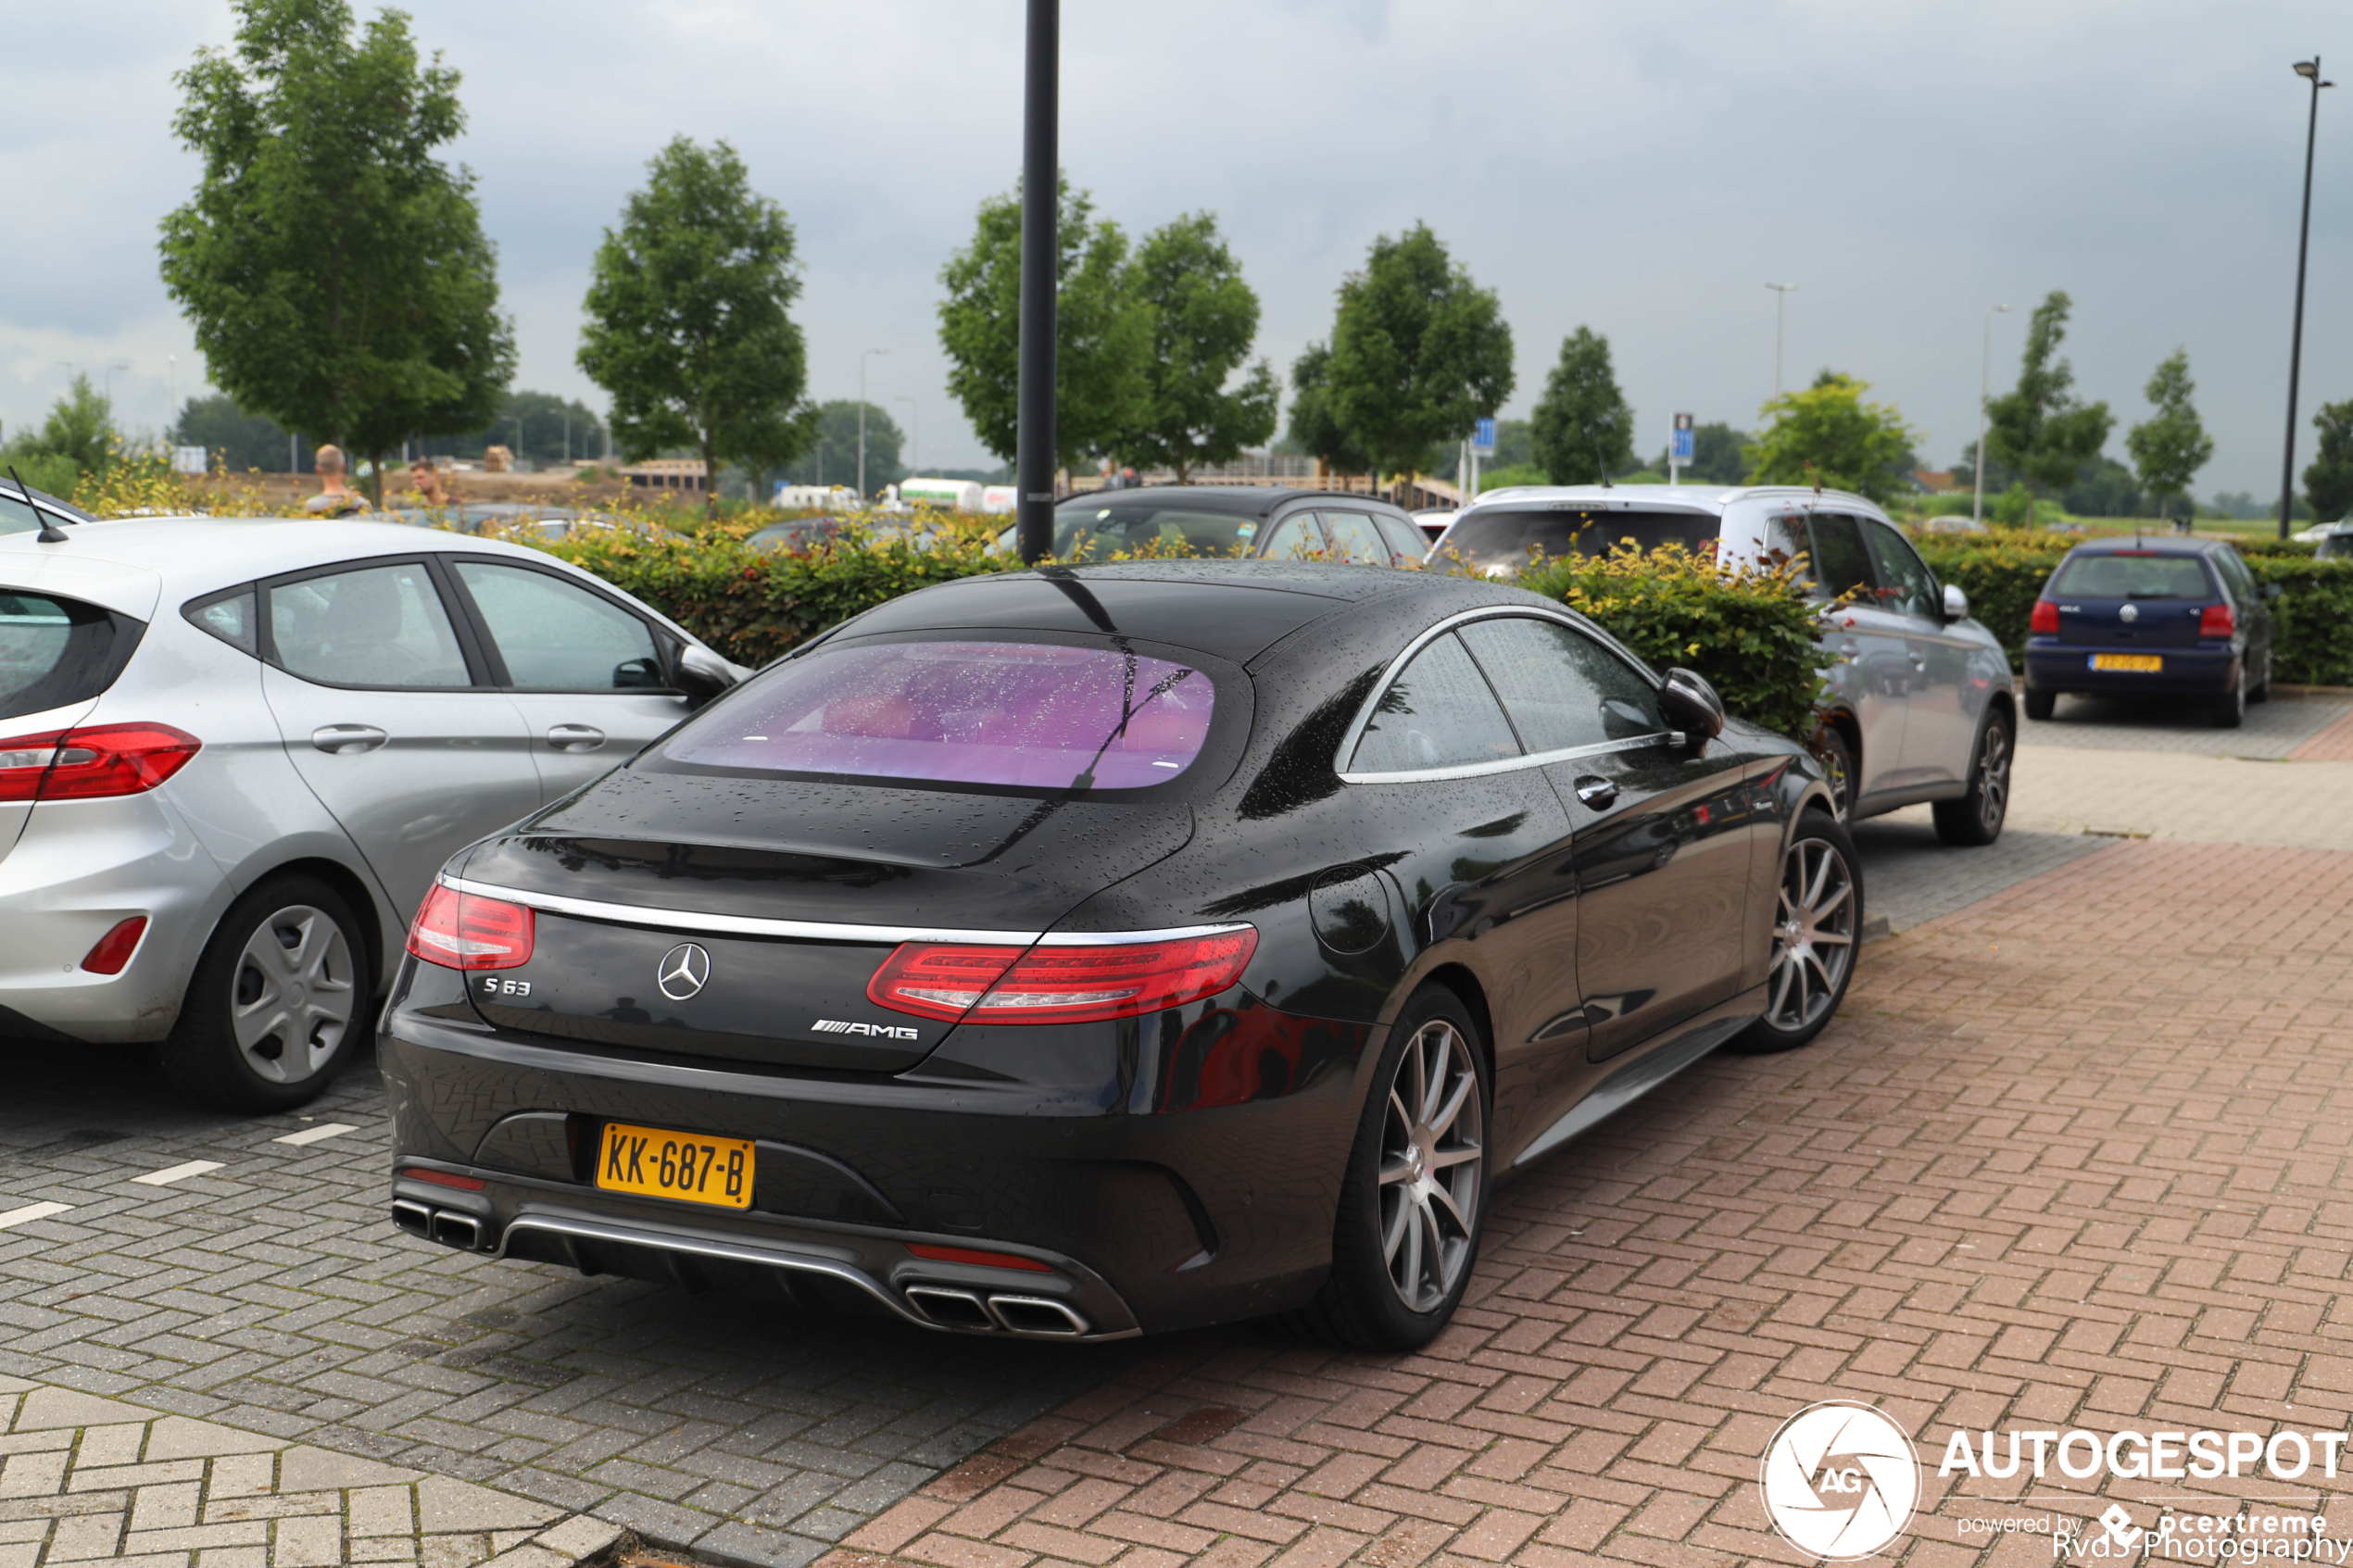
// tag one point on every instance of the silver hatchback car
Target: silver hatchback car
(1921, 705)
(234, 752)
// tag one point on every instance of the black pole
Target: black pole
(1040, 202)
(2296, 342)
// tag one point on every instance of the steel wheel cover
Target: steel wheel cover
(291, 997)
(1994, 778)
(1431, 1159)
(1813, 939)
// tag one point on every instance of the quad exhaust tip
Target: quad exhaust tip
(444, 1225)
(1033, 1317)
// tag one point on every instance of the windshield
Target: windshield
(1099, 532)
(1018, 715)
(2123, 575)
(53, 652)
(1503, 536)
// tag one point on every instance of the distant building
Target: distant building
(1933, 482)
(667, 473)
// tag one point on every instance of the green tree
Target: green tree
(1205, 318)
(1419, 352)
(689, 329)
(1103, 330)
(80, 431)
(832, 458)
(2038, 428)
(335, 270)
(1828, 434)
(1314, 429)
(2328, 483)
(1583, 431)
(2168, 449)
(235, 440)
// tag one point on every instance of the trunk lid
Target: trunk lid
(2133, 600)
(796, 893)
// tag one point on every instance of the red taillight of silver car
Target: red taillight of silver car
(95, 763)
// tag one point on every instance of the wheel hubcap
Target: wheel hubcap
(293, 998)
(1814, 940)
(1431, 1159)
(1994, 778)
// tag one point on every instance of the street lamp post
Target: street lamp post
(861, 419)
(1984, 375)
(1780, 305)
(915, 425)
(2310, 71)
(1040, 214)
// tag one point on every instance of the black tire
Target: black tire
(1423, 1222)
(1837, 758)
(2262, 691)
(2229, 708)
(1975, 818)
(2039, 704)
(1803, 989)
(277, 1001)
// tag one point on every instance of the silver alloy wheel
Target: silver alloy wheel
(1813, 939)
(1838, 773)
(1994, 778)
(1431, 1150)
(291, 999)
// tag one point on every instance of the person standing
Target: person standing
(334, 499)
(427, 480)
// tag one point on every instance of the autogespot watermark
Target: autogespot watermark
(1841, 1481)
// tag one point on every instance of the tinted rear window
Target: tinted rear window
(2121, 576)
(1007, 715)
(56, 651)
(1504, 537)
(1099, 532)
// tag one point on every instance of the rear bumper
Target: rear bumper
(2053, 667)
(1145, 1219)
(79, 868)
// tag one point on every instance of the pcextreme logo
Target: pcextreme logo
(1839, 1480)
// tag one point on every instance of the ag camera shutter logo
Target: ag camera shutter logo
(1839, 1480)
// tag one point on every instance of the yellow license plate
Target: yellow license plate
(2145, 663)
(657, 1163)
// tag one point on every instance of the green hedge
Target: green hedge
(2003, 574)
(1751, 634)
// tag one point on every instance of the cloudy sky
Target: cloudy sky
(1641, 167)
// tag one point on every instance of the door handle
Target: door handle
(576, 737)
(1595, 791)
(347, 740)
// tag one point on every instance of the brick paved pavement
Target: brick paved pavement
(2272, 729)
(1910, 875)
(2071, 1157)
(2332, 745)
(104, 1483)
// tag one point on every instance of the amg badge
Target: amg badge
(879, 1031)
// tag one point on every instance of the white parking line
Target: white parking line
(177, 1173)
(32, 1211)
(323, 1131)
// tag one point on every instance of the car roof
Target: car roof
(1711, 498)
(1243, 500)
(1233, 608)
(2159, 544)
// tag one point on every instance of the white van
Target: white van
(948, 494)
(1921, 705)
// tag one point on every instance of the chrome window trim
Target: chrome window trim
(1505, 764)
(820, 931)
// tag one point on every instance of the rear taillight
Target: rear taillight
(114, 949)
(1058, 985)
(466, 931)
(106, 760)
(2217, 621)
(2045, 618)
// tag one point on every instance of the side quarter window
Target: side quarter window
(1297, 537)
(1437, 713)
(1355, 539)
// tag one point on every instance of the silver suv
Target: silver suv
(234, 752)
(1921, 705)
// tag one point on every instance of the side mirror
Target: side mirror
(1955, 603)
(702, 674)
(1692, 706)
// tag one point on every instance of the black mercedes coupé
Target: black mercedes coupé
(1080, 953)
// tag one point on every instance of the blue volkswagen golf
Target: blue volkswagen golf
(2165, 617)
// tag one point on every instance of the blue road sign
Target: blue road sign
(1680, 440)
(1483, 438)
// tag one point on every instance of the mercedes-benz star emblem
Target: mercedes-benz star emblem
(685, 969)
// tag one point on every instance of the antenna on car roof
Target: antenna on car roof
(50, 532)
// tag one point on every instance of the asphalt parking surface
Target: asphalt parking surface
(268, 1293)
